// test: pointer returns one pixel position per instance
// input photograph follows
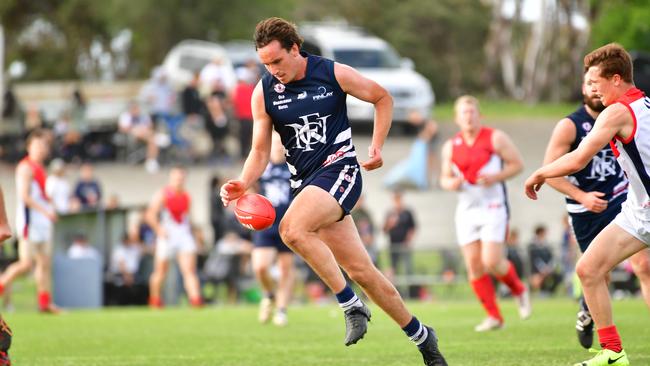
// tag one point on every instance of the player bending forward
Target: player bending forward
(303, 97)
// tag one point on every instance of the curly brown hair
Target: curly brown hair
(612, 59)
(276, 29)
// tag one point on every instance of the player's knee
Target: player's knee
(585, 271)
(260, 269)
(290, 235)
(25, 265)
(641, 266)
(491, 265)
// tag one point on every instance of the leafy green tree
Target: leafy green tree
(622, 21)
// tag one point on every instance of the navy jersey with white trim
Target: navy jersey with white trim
(274, 185)
(310, 115)
(602, 174)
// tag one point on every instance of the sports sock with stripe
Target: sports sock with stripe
(416, 332)
(348, 299)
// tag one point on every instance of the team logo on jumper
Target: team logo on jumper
(279, 88)
(603, 165)
(322, 93)
(311, 130)
(302, 95)
(586, 126)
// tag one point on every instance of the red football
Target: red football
(255, 211)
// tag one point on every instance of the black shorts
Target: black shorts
(587, 226)
(270, 238)
(343, 181)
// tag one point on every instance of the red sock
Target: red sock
(511, 279)
(155, 302)
(484, 290)
(196, 302)
(2, 289)
(44, 300)
(609, 338)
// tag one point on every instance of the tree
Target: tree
(622, 21)
(539, 58)
(444, 38)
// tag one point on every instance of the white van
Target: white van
(189, 57)
(376, 60)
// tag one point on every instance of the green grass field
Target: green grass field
(226, 335)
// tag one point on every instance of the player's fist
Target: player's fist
(375, 160)
(593, 201)
(532, 185)
(231, 190)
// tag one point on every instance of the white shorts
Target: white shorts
(38, 230)
(176, 242)
(487, 224)
(629, 222)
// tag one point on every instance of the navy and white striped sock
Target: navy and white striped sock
(348, 299)
(416, 331)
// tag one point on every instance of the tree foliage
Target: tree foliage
(462, 46)
(624, 21)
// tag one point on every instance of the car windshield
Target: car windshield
(192, 63)
(368, 58)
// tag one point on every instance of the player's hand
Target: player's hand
(375, 160)
(161, 233)
(533, 185)
(452, 183)
(486, 180)
(5, 232)
(52, 216)
(593, 202)
(231, 190)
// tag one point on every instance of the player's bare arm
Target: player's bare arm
(23, 179)
(358, 86)
(5, 230)
(448, 180)
(562, 137)
(258, 157)
(153, 212)
(613, 121)
(512, 161)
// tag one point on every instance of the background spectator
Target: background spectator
(160, 98)
(513, 255)
(88, 190)
(366, 228)
(215, 80)
(241, 101)
(400, 227)
(126, 287)
(58, 188)
(217, 212)
(544, 275)
(138, 126)
(81, 249)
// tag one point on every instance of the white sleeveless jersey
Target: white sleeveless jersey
(32, 224)
(633, 154)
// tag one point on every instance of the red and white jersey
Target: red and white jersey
(32, 224)
(633, 154)
(176, 209)
(470, 162)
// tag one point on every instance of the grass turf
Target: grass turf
(231, 336)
